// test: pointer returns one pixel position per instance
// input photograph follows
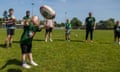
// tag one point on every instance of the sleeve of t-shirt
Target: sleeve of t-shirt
(86, 19)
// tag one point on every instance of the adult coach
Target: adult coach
(90, 24)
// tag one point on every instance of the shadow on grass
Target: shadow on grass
(16, 41)
(38, 40)
(59, 39)
(70, 40)
(11, 62)
(2, 45)
(76, 41)
(14, 70)
(105, 43)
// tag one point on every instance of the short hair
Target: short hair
(27, 11)
(11, 9)
(117, 22)
(90, 12)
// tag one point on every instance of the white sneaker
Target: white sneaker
(33, 63)
(51, 40)
(26, 66)
(45, 40)
(119, 43)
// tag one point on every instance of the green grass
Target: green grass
(61, 56)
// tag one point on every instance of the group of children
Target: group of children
(31, 25)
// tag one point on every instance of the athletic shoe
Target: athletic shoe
(51, 40)
(33, 63)
(119, 43)
(91, 41)
(68, 40)
(86, 41)
(26, 66)
(45, 40)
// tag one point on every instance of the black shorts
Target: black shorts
(10, 31)
(49, 30)
(117, 34)
(26, 48)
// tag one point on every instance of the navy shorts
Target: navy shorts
(26, 48)
(49, 30)
(10, 31)
(117, 34)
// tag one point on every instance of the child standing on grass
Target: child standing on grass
(49, 25)
(117, 32)
(67, 30)
(10, 27)
(26, 40)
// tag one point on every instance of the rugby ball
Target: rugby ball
(47, 12)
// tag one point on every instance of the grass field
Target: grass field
(62, 56)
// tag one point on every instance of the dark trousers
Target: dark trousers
(91, 33)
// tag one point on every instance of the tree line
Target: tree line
(77, 23)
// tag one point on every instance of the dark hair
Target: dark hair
(11, 9)
(117, 22)
(27, 11)
(90, 12)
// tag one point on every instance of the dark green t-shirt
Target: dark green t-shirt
(117, 28)
(68, 25)
(25, 38)
(90, 21)
(26, 17)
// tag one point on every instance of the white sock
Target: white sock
(24, 62)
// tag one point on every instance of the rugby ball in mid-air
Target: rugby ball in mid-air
(47, 12)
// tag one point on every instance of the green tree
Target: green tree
(76, 23)
(1, 20)
(106, 24)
